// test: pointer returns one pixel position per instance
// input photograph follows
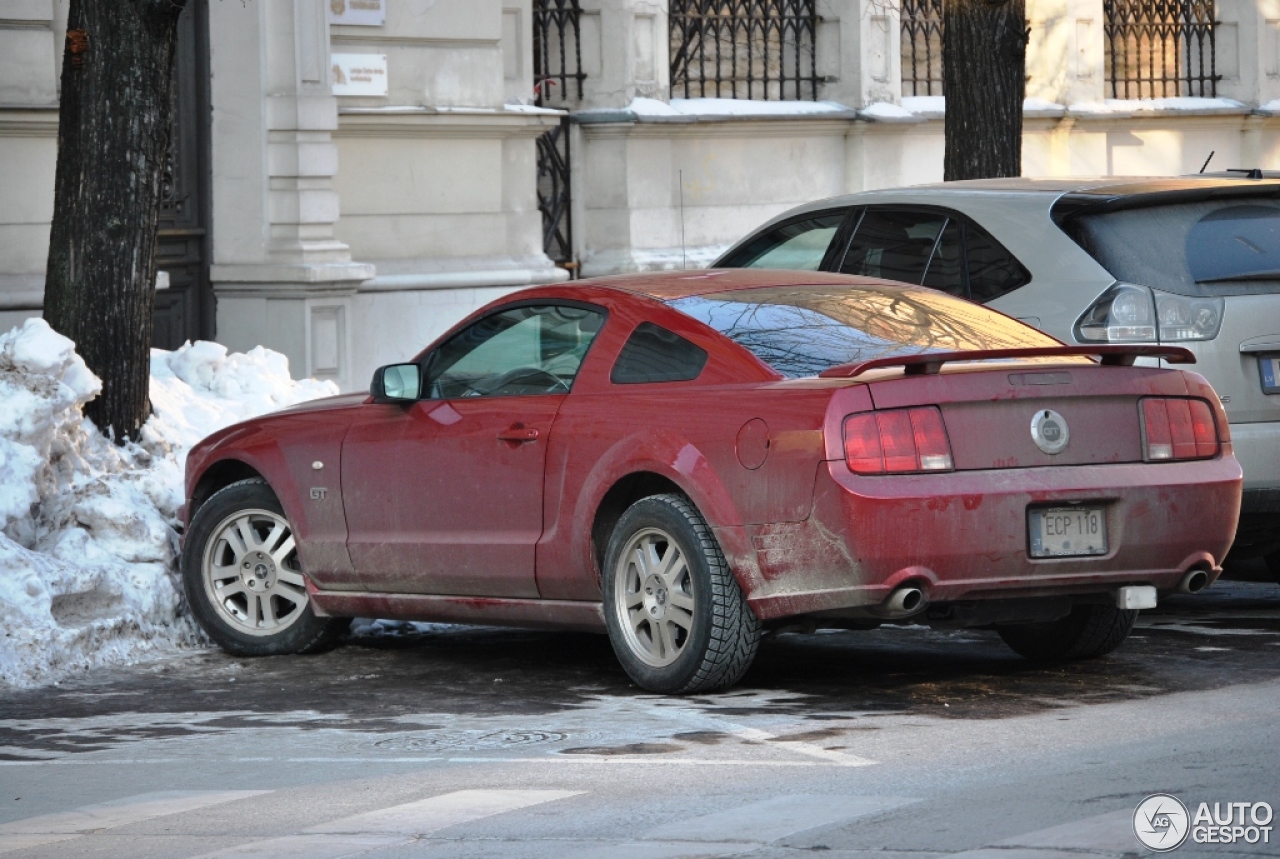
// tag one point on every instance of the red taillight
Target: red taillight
(1179, 429)
(897, 441)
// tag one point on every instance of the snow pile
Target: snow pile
(935, 107)
(883, 110)
(731, 107)
(88, 572)
(925, 104)
(1147, 105)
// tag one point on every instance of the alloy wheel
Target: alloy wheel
(252, 575)
(653, 592)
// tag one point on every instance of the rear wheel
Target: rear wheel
(677, 619)
(243, 580)
(1088, 632)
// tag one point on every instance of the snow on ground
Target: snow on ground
(87, 545)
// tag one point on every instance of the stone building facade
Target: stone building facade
(350, 177)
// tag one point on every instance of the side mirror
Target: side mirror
(396, 383)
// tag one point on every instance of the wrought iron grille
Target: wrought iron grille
(1160, 48)
(762, 49)
(921, 47)
(557, 52)
(553, 195)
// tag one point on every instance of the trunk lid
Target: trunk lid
(1250, 332)
(988, 410)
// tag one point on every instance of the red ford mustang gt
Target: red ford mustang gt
(685, 460)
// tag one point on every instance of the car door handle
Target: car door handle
(519, 433)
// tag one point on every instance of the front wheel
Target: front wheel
(242, 578)
(677, 619)
(1088, 632)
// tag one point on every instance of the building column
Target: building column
(859, 48)
(1066, 52)
(280, 276)
(624, 52)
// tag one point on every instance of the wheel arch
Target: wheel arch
(220, 475)
(626, 491)
(711, 501)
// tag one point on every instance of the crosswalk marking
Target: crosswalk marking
(811, 750)
(776, 818)
(68, 825)
(389, 826)
(1110, 833)
(730, 831)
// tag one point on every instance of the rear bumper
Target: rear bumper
(1257, 447)
(963, 535)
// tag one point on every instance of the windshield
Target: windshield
(801, 331)
(1220, 247)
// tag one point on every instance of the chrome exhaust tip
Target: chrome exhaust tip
(1193, 582)
(904, 602)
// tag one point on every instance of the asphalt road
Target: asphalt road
(456, 742)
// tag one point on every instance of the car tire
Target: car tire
(242, 578)
(678, 623)
(1090, 631)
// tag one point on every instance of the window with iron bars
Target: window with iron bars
(758, 49)
(921, 47)
(1160, 48)
(557, 52)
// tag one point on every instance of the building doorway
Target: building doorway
(184, 308)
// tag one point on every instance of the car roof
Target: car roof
(1102, 186)
(668, 285)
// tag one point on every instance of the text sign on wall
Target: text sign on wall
(359, 74)
(358, 13)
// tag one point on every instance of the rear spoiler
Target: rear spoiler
(929, 363)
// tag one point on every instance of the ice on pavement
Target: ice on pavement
(88, 572)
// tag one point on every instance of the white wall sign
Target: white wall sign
(359, 74)
(358, 13)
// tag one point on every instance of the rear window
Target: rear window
(802, 331)
(1221, 247)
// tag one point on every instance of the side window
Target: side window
(893, 244)
(946, 269)
(654, 354)
(799, 244)
(993, 271)
(531, 349)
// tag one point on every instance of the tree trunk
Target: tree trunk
(984, 68)
(113, 136)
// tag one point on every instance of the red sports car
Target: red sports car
(685, 460)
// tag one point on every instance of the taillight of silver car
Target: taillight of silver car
(1128, 313)
(1177, 429)
(897, 441)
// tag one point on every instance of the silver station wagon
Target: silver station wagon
(1192, 261)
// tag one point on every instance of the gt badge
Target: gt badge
(1049, 431)
(318, 493)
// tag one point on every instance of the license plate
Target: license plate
(1269, 365)
(1059, 532)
